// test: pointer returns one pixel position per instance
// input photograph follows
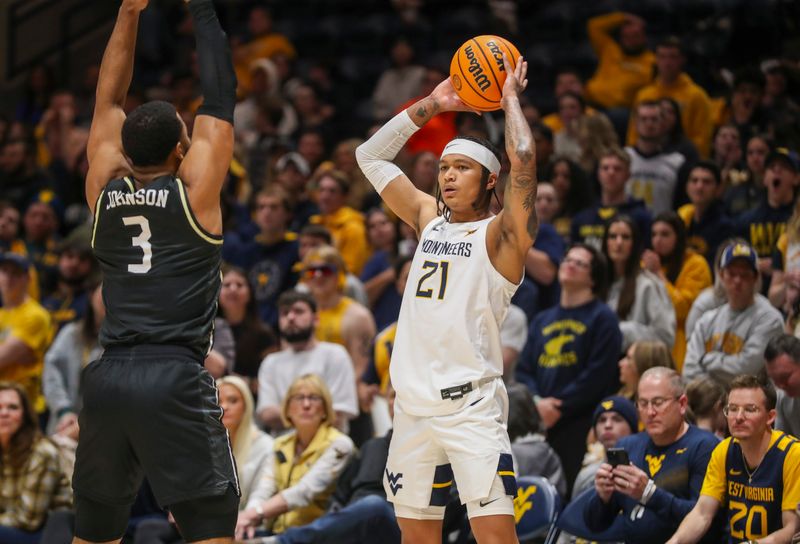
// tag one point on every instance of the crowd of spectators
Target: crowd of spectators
(665, 268)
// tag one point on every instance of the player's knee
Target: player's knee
(207, 517)
(420, 531)
(99, 522)
(494, 529)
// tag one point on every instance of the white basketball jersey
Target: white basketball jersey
(448, 332)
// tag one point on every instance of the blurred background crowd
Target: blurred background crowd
(667, 134)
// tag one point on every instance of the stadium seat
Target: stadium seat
(536, 508)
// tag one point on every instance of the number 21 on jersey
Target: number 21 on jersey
(427, 283)
(141, 241)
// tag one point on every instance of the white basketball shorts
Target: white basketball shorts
(469, 448)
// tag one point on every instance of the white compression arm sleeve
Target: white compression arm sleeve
(375, 154)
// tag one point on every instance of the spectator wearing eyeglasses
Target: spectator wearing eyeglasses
(570, 360)
(299, 480)
(754, 474)
(667, 465)
(782, 356)
(730, 340)
(304, 354)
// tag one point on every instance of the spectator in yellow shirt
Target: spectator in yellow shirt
(684, 272)
(346, 225)
(25, 331)
(672, 82)
(624, 65)
(761, 504)
(263, 44)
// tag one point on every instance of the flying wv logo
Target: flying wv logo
(394, 481)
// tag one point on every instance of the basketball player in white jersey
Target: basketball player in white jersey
(451, 407)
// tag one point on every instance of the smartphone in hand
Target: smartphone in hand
(617, 456)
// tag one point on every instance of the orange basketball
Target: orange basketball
(477, 71)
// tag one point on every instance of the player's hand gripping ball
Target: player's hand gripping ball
(477, 71)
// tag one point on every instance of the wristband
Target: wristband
(649, 490)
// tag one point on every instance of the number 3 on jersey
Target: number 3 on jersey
(142, 241)
(433, 266)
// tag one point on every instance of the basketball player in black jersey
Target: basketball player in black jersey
(150, 409)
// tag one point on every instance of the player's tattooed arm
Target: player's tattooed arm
(520, 147)
(424, 110)
(522, 178)
(443, 98)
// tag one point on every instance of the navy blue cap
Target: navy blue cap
(15, 258)
(739, 251)
(789, 156)
(620, 405)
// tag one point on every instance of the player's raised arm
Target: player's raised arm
(209, 157)
(511, 235)
(374, 156)
(104, 150)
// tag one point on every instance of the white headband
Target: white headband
(474, 151)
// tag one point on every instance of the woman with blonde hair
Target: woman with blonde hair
(640, 357)
(251, 446)
(306, 462)
(252, 450)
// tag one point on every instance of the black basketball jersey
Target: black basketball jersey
(161, 276)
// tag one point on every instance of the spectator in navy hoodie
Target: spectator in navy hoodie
(570, 360)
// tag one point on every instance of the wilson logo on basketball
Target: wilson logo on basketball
(478, 72)
(497, 53)
(475, 68)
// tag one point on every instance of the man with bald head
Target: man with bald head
(662, 482)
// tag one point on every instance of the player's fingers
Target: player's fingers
(507, 64)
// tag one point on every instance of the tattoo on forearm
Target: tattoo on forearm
(527, 184)
(427, 110)
(521, 150)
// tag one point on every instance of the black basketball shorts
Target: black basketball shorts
(152, 411)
